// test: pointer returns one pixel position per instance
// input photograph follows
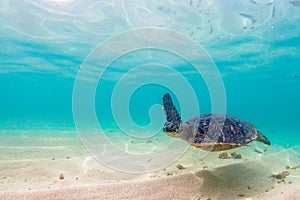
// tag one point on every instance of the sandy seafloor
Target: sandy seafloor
(30, 168)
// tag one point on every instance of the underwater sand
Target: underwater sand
(53, 51)
(30, 168)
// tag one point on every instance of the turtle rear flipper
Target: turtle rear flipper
(170, 110)
(262, 138)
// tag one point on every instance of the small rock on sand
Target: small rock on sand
(236, 156)
(61, 177)
(281, 175)
(180, 167)
(291, 167)
(169, 174)
(224, 155)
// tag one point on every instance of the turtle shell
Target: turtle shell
(214, 132)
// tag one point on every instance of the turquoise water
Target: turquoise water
(257, 54)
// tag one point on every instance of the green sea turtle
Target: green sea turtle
(210, 132)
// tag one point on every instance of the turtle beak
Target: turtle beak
(171, 134)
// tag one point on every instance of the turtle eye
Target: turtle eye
(168, 127)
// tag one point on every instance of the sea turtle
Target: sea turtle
(210, 132)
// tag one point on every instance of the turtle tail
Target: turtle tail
(170, 110)
(262, 138)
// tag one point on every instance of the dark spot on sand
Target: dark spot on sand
(76, 178)
(29, 188)
(236, 156)
(224, 155)
(241, 195)
(281, 181)
(290, 182)
(169, 174)
(291, 167)
(180, 167)
(68, 157)
(53, 158)
(61, 177)
(287, 167)
(249, 187)
(281, 175)
(266, 190)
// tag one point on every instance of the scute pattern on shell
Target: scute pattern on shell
(214, 128)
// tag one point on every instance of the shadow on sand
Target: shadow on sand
(236, 181)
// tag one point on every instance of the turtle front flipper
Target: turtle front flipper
(172, 125)
(170, 110)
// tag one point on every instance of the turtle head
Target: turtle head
(171, 128)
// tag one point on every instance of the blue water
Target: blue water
(42, 51)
